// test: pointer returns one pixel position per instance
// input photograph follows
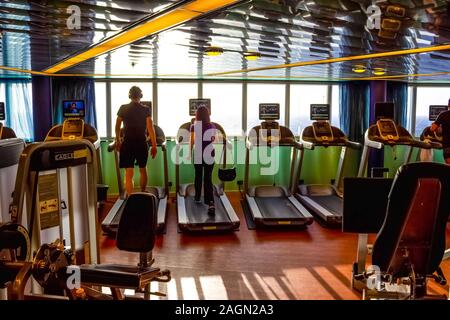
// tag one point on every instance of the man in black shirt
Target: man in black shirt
(137, 130)
(443, 122)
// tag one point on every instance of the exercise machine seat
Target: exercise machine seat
(118, 276)
(137, 226)
(136, 233)
(415, 222)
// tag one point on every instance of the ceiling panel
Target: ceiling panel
(282, 31)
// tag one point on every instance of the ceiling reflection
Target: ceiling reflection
(35, 35)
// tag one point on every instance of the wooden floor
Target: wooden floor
(311, 264)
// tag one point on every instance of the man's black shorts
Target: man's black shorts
(133, 153)
(446, 153)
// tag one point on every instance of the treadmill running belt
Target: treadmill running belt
(197, 213)
(277, 208)
(332, 203)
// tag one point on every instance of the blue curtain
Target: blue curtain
(354, 104)
(397, 92)
(74, 89)
(19, 107)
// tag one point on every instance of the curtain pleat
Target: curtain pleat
(354, 101)
(19, 107)
(397, 92)
(74, 89)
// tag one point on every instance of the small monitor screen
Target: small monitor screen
(435, 111)
(387, 128)
(2, 111)
(320, 112)
(73, 108)
(194, 104)
(384, 110)
(269, 111)
(149, 105)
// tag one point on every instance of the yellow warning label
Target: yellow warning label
(80, 154)
(210, 228)
(284, 222)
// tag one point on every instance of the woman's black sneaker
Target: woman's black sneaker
(198, 201)
(212, 209)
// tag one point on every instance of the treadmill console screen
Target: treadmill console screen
(320, 112)
(323, 132)
(73, 108)
(435, 111)
(384, 110)
(387, 129)
(2, 111)
(149, 105)
(269, 111)
(194, 104)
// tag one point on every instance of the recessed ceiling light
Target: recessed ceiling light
(379, 71)
(252, 56)
(213, 51)
(359, 68)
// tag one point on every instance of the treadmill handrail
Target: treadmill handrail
(421, 144)
(112, 146)
(372, 143)
(353, 145)
(308, 145)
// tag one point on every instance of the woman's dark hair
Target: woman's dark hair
(202, 114)
(135, 92)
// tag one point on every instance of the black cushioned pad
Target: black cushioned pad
(137, 227)
(399, 202)
(116, 275)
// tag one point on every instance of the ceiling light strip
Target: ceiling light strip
(164, 21)
(39, 73)
(341, 59)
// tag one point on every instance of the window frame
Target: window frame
(200, 83)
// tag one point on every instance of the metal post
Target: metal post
(341, 166)
(362, 172)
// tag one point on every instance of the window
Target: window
(100, 108)
(335, 106)
(264, 93)
(173, 105)
(410, 110)
(427, 96)
(3, 99)
(17, 95)
(226, 105)
(302, 96)
(119, 96)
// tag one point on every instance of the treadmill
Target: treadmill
(387, 133)
(110, 223)
(428, 136)
(193, 217)
(272, 205)
(324, 200)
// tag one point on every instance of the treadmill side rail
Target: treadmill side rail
(305, 213)
(231, 213)
(181, 208)
(107, 226)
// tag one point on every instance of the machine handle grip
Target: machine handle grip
(112, 146)
(308, 145)
(354, 145)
